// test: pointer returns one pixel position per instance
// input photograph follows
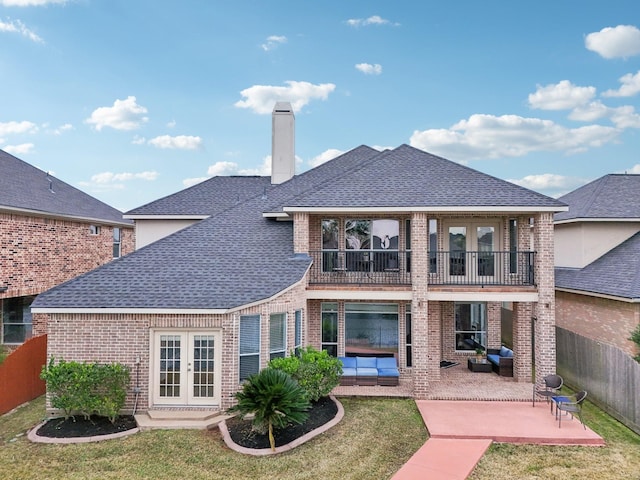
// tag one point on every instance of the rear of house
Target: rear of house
(396, 253)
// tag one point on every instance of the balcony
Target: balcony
(393, 268)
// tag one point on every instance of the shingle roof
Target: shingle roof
(237, 256)
(201, 267)
(206, 198)
(614, 196)
(615, 273)
(408, 177)
(25, 187)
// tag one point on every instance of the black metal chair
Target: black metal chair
(552, 385)
(574, 407)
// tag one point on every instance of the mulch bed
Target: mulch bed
(81, 427)
(242, 434)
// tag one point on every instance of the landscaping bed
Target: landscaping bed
(80, 426)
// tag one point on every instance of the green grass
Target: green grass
(375, 438)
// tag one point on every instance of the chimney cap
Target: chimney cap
(282, 107)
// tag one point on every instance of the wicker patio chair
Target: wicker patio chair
(552, 385)
(574, 407)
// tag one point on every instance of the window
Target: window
(372, 245)
(330, 328)
(116, 242)
(94, 229)
(433, 245)
(407, 329)
(277, 335)
(330, 256)
(513, 245)
(470, 325)
(297, 332)
(249, 345)
(16, 319)
(407, 242)
(371, 328)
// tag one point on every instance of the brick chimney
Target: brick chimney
(283, 156)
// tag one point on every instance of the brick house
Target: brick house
(50, 232)
(598, 260)
(395, 253)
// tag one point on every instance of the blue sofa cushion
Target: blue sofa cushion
(505, 352)
(386, 362)
(494, 358)
(347, 362)
(388, 372)
(349, 372)
(365, 362)
(366, 372)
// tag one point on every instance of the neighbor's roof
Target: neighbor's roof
(206, 198)
(612, 197)
(408, 178)
(616, 273)
(24, 188)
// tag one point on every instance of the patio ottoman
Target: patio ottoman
(366, 371)
(388, 374)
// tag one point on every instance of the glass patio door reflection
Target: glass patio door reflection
(187, 368)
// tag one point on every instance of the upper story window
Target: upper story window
(372, 234)
(94, 229)
(117, 245)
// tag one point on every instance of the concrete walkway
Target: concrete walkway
(461, 431)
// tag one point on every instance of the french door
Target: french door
(187, 367)
(472, 251)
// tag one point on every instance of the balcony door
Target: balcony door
(187, 367)
(472, 251)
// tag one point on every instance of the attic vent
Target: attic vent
(50, 183)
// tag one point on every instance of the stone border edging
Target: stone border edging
(35, 438)
(283, 448)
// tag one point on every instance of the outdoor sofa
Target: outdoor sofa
(369, 371)
(501, 360)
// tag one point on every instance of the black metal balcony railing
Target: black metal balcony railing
(384, 267)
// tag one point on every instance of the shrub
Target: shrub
(316, 371)
(635, 338)
(275, 399)
(87, 388)
(4, 353)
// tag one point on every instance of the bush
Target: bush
(4, 353)
(316, 371)
(87, 388)
(635, 338)
(275, 399)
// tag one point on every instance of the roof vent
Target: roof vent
(283, 157)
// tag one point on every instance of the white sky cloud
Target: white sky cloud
(634, 170)
(262, 98)
(123, 115)
(12, 128)
(109, 177)
(560, 96)
(611, 42)
(372, 20)
(171, 124)
(62, 128)
(30, 3)
(325, 157)
(369, 69)
(222, 168)
(630, 86)
(22, 149)
(16, 26)
(180, 142)
(488, 136)
(273, 42)
(622, 117)
(190, 182)
(548, 181)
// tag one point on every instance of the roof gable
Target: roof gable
(25, 187)
(613, 196)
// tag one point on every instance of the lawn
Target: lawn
(372, 442)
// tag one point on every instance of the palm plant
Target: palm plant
(274, 399)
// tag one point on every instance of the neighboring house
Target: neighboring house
(598, 260)
(397, 253)
(50, 232)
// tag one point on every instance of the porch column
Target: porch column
(545, 324)
(300, 232)
(522, 341)
(419, 305)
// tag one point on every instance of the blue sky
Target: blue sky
(131, 100)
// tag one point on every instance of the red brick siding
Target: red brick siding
(601, 319)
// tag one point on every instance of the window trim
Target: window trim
(297, 331)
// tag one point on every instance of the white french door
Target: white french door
(187, 367)
(472, 250)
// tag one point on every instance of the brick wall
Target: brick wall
(605, 320)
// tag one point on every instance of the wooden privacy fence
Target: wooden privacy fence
(20, 374)
(610, 376)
